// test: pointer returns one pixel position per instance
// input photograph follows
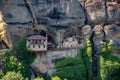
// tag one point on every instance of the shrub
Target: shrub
(55, 78)
(110, 46)
(39, 78)
(1, 74)
(104, 47)
(71, 69)
(109, 67)
(12, 76)
(10, 62)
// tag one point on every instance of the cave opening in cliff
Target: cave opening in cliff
(56, 14)
(50, 39)
(51, 43)
(3, 45)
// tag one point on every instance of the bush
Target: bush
(1, 74)
(22, 51)
(38, 78)
(109, 67)
(110, 46)
(55, 78)
(66, 62)
(10, 62)
(104, 47)
(71, 69)
(107, 47)
(12, 76)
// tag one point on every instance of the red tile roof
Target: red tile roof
(37, 37)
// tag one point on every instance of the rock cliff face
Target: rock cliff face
(4, 35)
(59, 18)
(102, 15)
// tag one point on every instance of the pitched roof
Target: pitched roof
(37, 37)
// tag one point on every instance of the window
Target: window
(44, 46)
(33, 46)
(28, 46)
(39, 41)
(35, 41)
(79, 42)
(32, 41)
(28, 40)
(38, 46)
(42, 41)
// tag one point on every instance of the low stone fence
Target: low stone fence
(62, 49)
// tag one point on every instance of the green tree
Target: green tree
(104, 47)
(19, 58)
(71, 69)
(10, 62)
(1, 74)
(89, 48)
(24, 56)
(109, 64)
(107, 47)
(110, 46)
